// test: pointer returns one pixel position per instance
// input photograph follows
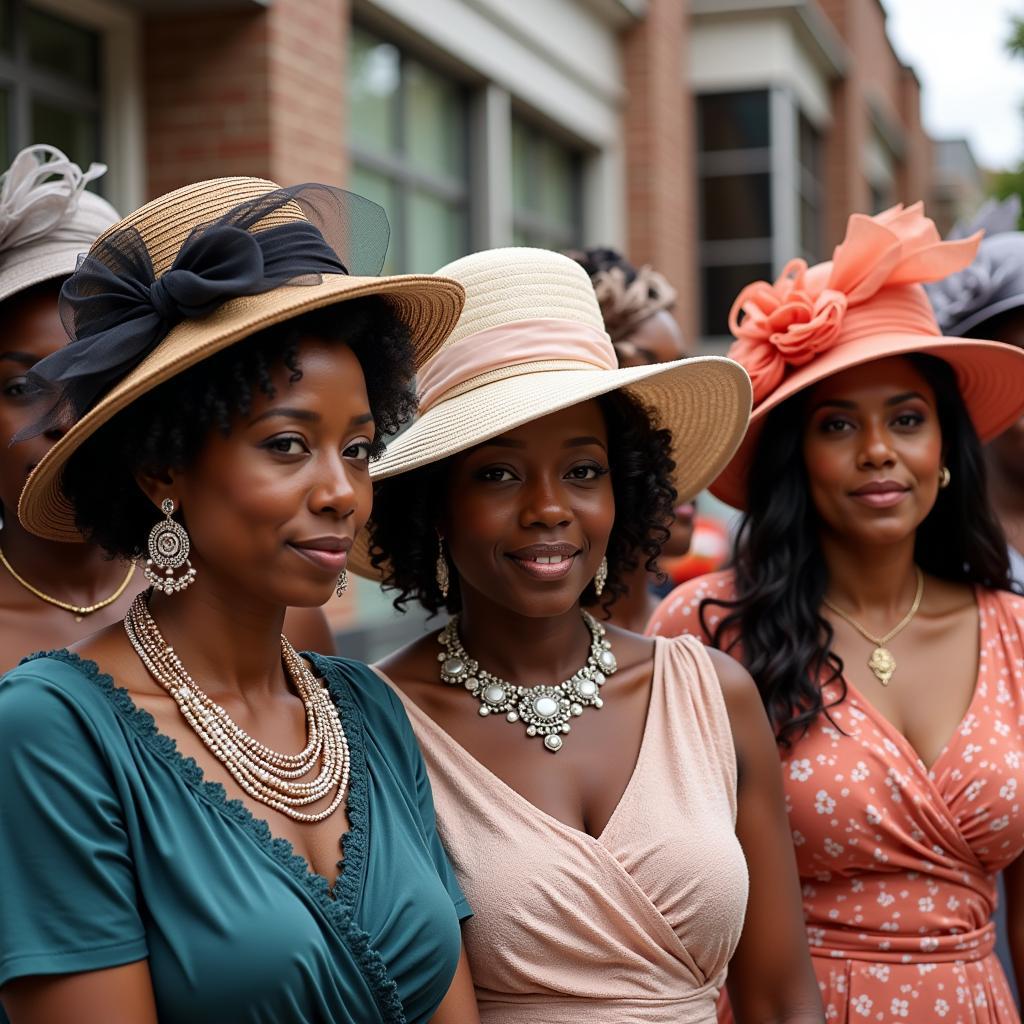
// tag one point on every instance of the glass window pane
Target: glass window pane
(736, 206)
(62, 48)
(521, 177)
(810, 148)
(380, 189)
(6, 35)
(373, 93)
(735, 120)
(557, 184)
(73, 131)
(435, 122)
(720, 286)
(810, 230)
(437, 233)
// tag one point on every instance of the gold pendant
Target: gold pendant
(883, 664)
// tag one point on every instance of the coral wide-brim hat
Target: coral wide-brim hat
(868, 303)
(175, 252)
(531, 342)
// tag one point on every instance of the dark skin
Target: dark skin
(78, 574)
(657, 339)
(548, 483)
(872, 423)
(294, 471)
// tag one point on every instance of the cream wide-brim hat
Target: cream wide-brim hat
(429, 305)
(703, 401)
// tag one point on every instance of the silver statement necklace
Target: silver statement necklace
(545, 710)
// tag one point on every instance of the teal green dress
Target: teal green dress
(113, 848)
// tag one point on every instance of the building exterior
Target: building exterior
(714, 139)
(958, 183)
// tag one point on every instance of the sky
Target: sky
(971, 87)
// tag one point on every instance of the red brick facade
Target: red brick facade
(261, 92)
(877, 94)
(658, 123)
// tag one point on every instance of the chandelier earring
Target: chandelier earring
(944, 477)
(168, 550)
(601, 577)
(342, 584)
(441, 569)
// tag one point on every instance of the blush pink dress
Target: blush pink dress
(898, 861)
(636, 925)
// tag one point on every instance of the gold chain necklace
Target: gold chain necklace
(881, 662)
(78, 610)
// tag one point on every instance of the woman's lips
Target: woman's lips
(553, 567)
(330, 561)
(881, 499)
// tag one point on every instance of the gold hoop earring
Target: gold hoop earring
(342, 584)
(601, 577)
(168, 550)
(441, 570)
(944, 477)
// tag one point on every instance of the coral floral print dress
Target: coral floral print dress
(898, 861)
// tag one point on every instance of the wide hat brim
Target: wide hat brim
(703, 401)
(990, 375)
(429, 306)
(45, 262)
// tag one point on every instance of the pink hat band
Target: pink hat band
(544, 344)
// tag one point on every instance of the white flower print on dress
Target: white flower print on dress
(913, 837)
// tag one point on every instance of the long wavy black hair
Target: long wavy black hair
(408, 507)
(780, 572)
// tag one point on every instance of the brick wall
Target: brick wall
(876, 78)
(252, 92)
(658, 122)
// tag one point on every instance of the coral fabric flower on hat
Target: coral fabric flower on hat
(782, 324)
(801, 315)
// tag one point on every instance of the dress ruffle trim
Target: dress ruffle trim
(339, 908)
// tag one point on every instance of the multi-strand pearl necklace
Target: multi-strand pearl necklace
(265, 774)
(545, 710)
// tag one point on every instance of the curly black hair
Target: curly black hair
(408, 507)
(781, 577)
(166, 428)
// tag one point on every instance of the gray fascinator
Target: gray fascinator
(994, 282)
(47, 218)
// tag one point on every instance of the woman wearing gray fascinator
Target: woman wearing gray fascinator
(986, 300)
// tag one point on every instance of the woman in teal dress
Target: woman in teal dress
(161, 857)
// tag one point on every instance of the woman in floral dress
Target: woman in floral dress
(870, 601)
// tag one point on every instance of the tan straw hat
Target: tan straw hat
(190, 325)
(531, 342)
(47, 219)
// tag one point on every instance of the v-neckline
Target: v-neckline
(515, 796)
(900, 738)
(343, 891)
(338, 905)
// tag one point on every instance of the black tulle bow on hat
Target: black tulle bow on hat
(116, 310)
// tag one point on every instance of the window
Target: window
(546, 189)
(408, 128)
(49, 83)
(812, 193)
(735, 188)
